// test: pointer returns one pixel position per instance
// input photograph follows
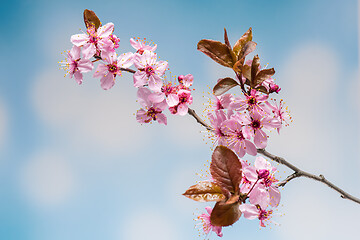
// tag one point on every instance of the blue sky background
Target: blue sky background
(75, 164)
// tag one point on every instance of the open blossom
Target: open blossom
(94, 41)
(253, 102)
(75, 66)
(112, 67)
(152, 111)
(149, 71)
(216, 121)
(236, 139)
(141, 46)
(252, 211)
(186, 81)
(222, 102)
(281, 112)
(253, 124)
(206, 223)
(263, 175)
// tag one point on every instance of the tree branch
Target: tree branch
(192, 113)
(300, 173)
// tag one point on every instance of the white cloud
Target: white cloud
(47, 180)
(89, 116)
(308, 79)
(149, 223)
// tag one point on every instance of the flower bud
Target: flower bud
(274, 88)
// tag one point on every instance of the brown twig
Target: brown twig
(192, 113)
(300, 173)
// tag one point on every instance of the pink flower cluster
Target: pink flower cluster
(154, 94)
(257, 185)
(241, 123)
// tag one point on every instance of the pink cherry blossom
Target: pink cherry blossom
(168, 92)
(216, 121)
(112, 67)
(94, 41)
(75, 66)
(187, 80)
(281, 112)
(206, 223)
(252, 211)
(185, 99)
(254, 122)
(149, 71)
(236, 139)
(222, 102)
(141, 46)
(152, 111)
(253, 102)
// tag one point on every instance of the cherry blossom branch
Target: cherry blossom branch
(127, 70)
(300, 173)
(297, 171)
(192, 113)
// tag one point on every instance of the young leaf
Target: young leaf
(204, 191)
(254, 69)
(225, 214)
(216, 50)
(262, 89)
(91, 19)
(246, 71)
(238, 65)
(247, 49)
(226, 39)
(225, 168)
(264, 74)
(224, 85)
(242, 41)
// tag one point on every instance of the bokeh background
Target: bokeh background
(75, 164)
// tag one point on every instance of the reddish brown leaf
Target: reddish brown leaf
(254, 69)
(91, 19)
(264, 74)
(225, 214)
(242, 41)
(262, 89)
(216, 50)
(204, 191)
(246, 71)
(226, 39)
(225, 168)
(248, 48)
(238, 66)
(224, 85)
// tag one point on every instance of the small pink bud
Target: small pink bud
(181, 78)
(263, 173)
(274, 88)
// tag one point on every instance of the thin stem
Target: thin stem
(300, 173)
(297, 171)
(127, 70)
(192, 113)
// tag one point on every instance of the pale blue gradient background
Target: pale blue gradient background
(64, 174)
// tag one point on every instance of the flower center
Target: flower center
(264, 214)
(152, 112)
(140, 51)
(112, 68)
(255, 124)
(252, 100)
(183, 98)
(149, 70)
(167, 89)
(240, 135)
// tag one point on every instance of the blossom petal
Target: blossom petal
(142, 117)
(260, 139)
(89, 50)
(250, 148)
(140, 79)
(101, 70)
(262, 163)
(157, 97)
(160, 67)
(143, 97)
(79, 39)
(155, 83)
(274, 196)
(105, 30)
(125, 60)
(85, 65)
(250, 211)
(78, 77)
(75, 52)
(172, 100)
(107, 81)
(182, 109)
(161, 118)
